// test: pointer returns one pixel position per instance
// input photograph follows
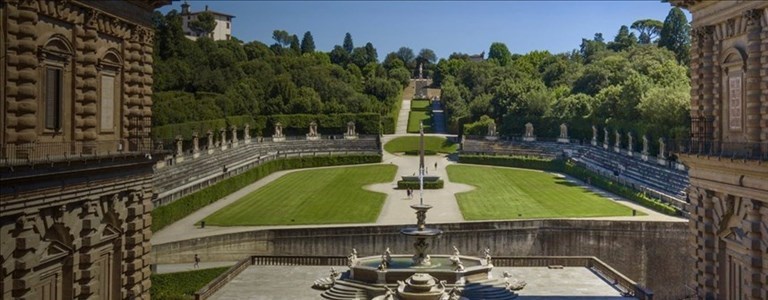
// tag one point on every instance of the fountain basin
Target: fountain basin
(401, 268)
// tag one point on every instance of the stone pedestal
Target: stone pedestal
(630, 154)
(350, 136)
(605, 146)
(178, 159)
(563, 140)
(279, 138)
(661, 161)
(616, 149)
(313, 138)
(491, 138)
(529, 139)
(644, 157)
(594, 142)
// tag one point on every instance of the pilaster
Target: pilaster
(86, 280)
(22, 73)
(764, 76)
(752, 76)
(753, 256)
(27, 241)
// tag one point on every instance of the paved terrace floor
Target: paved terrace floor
(294, 282)
(396, 209)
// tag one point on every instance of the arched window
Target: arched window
(109, 86)
(55, 56)
(733, 62)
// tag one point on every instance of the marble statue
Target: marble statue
(629, 142)
(617, 143)
(563, 131)
(234, 134)
(312, 129)
(605, 136)
(528, 129)
(594, 133)
(351, 128)
(662, 148)
(491, 129)
(278, 130)
(247, 132)
(645, 145)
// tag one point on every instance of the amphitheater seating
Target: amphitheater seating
(176, 176)
(667, 182)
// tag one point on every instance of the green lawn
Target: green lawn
(182, 285)
(420, 104)
(321, 196)
(414, 117)
(411, 143)
(507, 193)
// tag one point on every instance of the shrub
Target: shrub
(365, 123)
(182, 285)
(434, 185)
(568, 167)
(165, 215)
(169, 132)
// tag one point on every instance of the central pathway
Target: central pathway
(438, 117)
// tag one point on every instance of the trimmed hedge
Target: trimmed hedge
(165, 215)
(169, 132)
(416, 152)
(365, 123)
(567, 167)
(182, 285)
(433, 185)
(388, 125)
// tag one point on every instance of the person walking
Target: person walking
(435, 165)
(197, 261)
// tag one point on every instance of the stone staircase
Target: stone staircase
(486, 289)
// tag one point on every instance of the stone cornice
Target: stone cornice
(81, 13)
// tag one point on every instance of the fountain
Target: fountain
(419, 276)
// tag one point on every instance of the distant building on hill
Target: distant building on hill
(477, 57)
(223, 30)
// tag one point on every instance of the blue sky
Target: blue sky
(443, 26)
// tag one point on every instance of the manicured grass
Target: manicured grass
(414, 117)
(321, 196)
(434, 144)
(182, 285)
(507, 193)
(420, 104)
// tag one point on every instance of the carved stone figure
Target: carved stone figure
(247, 133)
(351, 128)
(195, 142)
(333, 275)
(605, 136)
(179, 150)
(528, 129)
(456, 251)
(491, 129)
(209, 136)
(312, 129)
(645, 145)
(234, 134)
(594, 133)
(629, 142)
(563, 131)
(223, 134)
(617, 143)
(278, 130)
(662, 148)
(352, 257)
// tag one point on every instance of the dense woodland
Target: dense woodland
(637, 82)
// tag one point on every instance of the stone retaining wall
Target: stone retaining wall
(652, 253)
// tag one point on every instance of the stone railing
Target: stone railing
(715, 148)
(627, 286)
(212, 287)
(52, 152)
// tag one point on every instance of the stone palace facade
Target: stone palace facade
(729, 176)
(75, 161)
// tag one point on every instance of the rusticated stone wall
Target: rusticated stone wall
(76, 228)
(652, 253)
(728, 198)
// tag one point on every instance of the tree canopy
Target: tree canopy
(204, 24)
(675, 34)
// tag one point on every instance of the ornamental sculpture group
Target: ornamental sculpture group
(313, 133)
(529, 136)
